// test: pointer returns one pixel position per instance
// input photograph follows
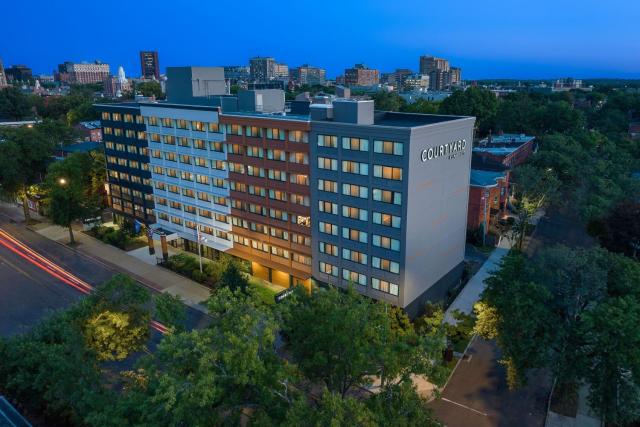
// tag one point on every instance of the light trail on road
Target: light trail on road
(25, 252)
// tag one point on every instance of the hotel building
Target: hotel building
(341, 195)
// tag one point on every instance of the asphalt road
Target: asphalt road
(478, 396)
(29, 293)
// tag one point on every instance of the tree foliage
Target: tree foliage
(580, 306)
(474, 101)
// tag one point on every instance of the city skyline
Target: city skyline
(490, 41)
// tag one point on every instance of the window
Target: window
(214, 127)
(170, 157)
(199, 144)
(278, 155)
(328, 186)
(117, 131)
(108, 130)
(299, 179)
(255, 171)
(327, 141)
(278, 233)
(387, 196)
(221, 218)
(300, 239)
(184, 142)
(200, 161)
(387, 220)
(128, 118)
(328, 269)
(274, 133)
(234, 149)
(219, 200)
(106, 116)
(278, 175)
(302, 259)
(354, 277)
(355, 144)
(253, 131)
(353, 234)
(355, 191)
(139, 119)
(233, 129)
(255, 190)
(278, 214)
(153, 121)
(328, 228)
(219, 165)
(328, 249)
(384, 286)
(181, 124)
(385, 242)
(169, 139)
(184, 158)
(299, 158)
(142, 135)
(155, 137)
(167, 122)
(219, 182)
(385, 264)
(328, 207)
(355, 167)
(298, 136)
(298, 199)
(327, 163)
(201, 195)
(388, 147)
(109, 145)
(278, 195)
(355, 256)
(190, 209)
(255, 152)
(282, 253)
(116, 117)
(387, 172)
(354, 213)
(198, 126)
(202, 179)
(130, 133)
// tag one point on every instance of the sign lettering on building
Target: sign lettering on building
(450, 150)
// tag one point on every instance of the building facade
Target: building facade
(262, 69)
(3, 77)
(127, 161)
(361, 75)
(309, 75)
(149, 65)
(338, 195)
(18, 73)
(389, 201)
(83, 73)
(488, 197)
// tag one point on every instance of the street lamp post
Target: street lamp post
(486, 219)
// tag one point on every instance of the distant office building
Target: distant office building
(416, 82)
(566, 84)
(361, 75)
(83, 73)
(308, 75)
(400, 76)
(236, 73)
(149, 65)
(18, 73)
(281, 71)
(441, 74)
(3, 77)
(262, 69)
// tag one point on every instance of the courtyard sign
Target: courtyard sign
(450, 150)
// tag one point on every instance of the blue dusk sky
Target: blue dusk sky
(518, 39)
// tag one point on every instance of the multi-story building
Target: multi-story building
(149, 65)
(389, 195)
(3, 77)
(262, 69)
(281, 72)
(337, 195)
(488, 196)
(418, 82)
(83, 73)
(361, 75)
(18, 73)
(503, 151)
(441, 74)
(236, 73)
(127, 161)
(309, 75)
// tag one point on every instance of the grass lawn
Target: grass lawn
(266, 294)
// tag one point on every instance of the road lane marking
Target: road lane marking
(464, 406)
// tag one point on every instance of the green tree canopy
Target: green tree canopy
(473, 101)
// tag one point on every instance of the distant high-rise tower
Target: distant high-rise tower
(149, 64)
(3, 78)
(262, 69)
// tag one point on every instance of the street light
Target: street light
(62, 181)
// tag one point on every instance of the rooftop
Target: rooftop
(481, 178)
(508, 138)
(497, 151)
(409, 120)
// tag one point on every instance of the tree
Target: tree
(24, 156)
(113, 337)
(474, 101)
(388, 101)
(401, 405)
(331, 410)
(149, 89)
(14, 105)
(170, 310)
(70, 190)
(613, 348)
(342, 339)
(535, 189)
(422, 106)
(621, 231)
(233, 278)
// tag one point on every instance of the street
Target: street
(38, 275)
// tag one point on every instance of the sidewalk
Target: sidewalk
(584, 417)
(148, 273)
